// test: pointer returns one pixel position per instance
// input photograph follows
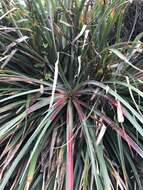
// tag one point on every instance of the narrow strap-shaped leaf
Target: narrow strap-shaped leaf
(70, 173)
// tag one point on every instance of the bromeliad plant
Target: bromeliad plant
(70, 100)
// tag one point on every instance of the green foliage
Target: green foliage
(70, 96)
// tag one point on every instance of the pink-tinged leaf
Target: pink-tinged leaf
(130, 142)
(78, 108)
(120, 112)
(120, 131)
(57, 108)
(70, 170)
(123, 134)
(13, 78)
(41, 104)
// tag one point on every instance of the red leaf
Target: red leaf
(70, 170)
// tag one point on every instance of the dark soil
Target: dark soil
(133, 21)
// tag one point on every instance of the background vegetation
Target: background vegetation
(71, 99)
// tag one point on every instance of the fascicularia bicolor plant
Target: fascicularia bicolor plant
(70, 100)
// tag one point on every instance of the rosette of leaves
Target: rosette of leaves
(70, 102)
